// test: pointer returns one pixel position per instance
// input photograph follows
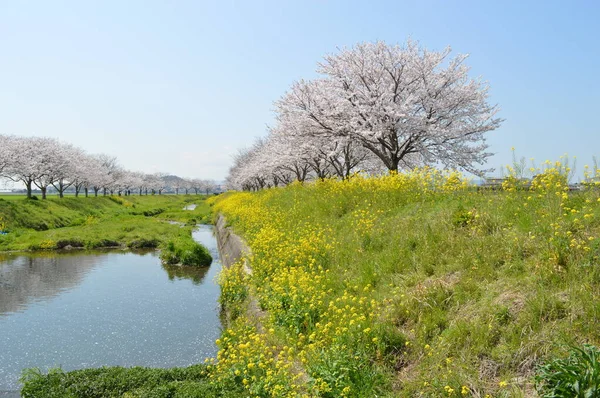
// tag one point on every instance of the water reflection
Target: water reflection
(27, 278)
(195, 274)
(81, 309)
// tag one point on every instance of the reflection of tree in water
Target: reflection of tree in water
(27, 278)
(195, 274)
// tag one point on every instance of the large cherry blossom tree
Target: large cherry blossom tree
(407, 105)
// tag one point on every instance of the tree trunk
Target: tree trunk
(44, 192)
(28, 185)
(86, 192)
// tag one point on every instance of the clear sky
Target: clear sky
(178, 86)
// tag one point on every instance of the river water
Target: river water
(89, 309)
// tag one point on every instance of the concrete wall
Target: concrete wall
(231, 246)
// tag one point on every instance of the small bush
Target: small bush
(576, 376)
(185, 251)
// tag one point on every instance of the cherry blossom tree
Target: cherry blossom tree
(405, 104)
(66, 167)
(6, 151)
(46, 162)
(28, 162)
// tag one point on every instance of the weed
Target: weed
(576, 376)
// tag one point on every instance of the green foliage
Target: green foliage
(234, 290)
(136, 382)
(576, 376)
(185, 251)
(462, 217)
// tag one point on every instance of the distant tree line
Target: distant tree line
(375, 108)
(46, 163)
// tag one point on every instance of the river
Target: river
(89, 309)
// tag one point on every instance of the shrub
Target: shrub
(185, 251)
(576, 376)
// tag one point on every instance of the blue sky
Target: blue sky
(178, 86)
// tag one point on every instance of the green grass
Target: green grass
(118, 382)
(12, 196)
(476, 288)
(576, 376)
(185, 251)
(132, 221)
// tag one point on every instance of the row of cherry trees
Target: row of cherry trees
(40, 162)
(375, 107)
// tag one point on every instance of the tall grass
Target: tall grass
(414, 284)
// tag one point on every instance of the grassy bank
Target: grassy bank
(132, 221)
(409, 285)
(117, 382)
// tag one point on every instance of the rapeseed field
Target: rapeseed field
(410, 284)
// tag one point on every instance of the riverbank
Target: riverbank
(407, 285)
(410, 285)
(98, 222)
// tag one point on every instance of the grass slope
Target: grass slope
(409, 285)
(132, 221)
